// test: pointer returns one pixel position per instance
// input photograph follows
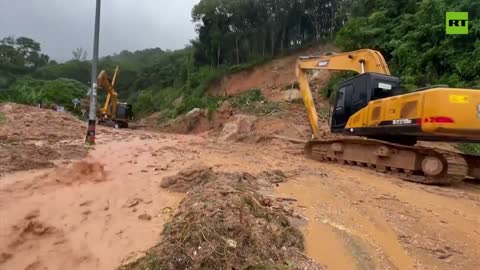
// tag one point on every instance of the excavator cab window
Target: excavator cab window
(384, 86)
(340, 99)
(341, 113)
(355, 94)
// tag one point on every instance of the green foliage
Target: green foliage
(236, 32)
(57, 92)
(411, 34)
(470, 148)
(75, 70)
(250, 65)
(150, 101)
(19, 56)
(248, 98)
(253, 101)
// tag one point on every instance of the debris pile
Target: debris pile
(33, 138)
(31, 123)
(224, 223)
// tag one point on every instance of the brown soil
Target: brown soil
(273, 78)
(33, 138)
(224, 223)
(26, 123)
(195, 122)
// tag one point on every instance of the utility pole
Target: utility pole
(90, 139)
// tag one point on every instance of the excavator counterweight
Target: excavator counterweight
(387, 121)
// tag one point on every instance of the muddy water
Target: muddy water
(341, 235)
(47, 224)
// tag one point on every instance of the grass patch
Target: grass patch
(254, 102)
(469, 148)
(250, 65)
(3, 118)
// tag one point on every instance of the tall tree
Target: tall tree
(79, 54)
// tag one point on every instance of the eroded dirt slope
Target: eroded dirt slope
(273, 78)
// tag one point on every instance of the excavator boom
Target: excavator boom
(360, 61)
(110, 106)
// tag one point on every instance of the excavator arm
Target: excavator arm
(360, 61)
(110, 107)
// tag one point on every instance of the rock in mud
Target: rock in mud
(145, 217)
(237, 127)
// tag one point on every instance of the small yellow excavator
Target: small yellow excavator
(383, 122)
(114, 113)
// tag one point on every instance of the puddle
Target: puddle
(339, 235)
(321, 240)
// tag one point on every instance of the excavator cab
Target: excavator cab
(124, 111)
(355, 94)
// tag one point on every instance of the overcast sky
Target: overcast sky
(63, 25)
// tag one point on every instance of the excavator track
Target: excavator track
(411, 163)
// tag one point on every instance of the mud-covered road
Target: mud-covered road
(110, 208)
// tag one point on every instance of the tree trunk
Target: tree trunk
(282, 41)
(238, 56)
(332, 21)
(211, 58)
(273, 41)
(218, 55)
(264, 43)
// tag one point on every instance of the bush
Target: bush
(249, 65)
(248, 98)
(57, 92)
(150, 101)
(469, 148)
(253, 101)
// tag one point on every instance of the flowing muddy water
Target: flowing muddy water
(96, 214)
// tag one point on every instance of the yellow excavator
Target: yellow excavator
(114, 113)
(383, 122)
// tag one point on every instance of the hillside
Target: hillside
(273, 78)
